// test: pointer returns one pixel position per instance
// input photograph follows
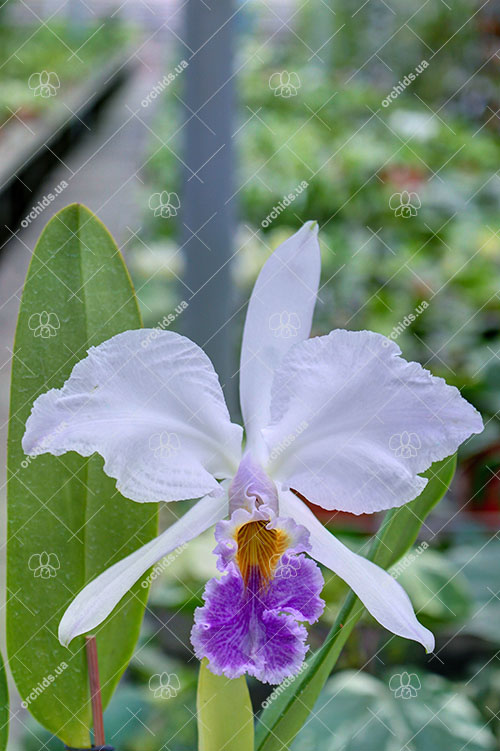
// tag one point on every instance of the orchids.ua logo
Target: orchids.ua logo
(284, 84)
(282, 686)
(164, 323)
(164, 204)
(405, 685)
(405, 204)
(44, 84)
(407, 321)
(46, 681)
(44, 565)
(287, 569)
(284, 324)
(164, 444)
(401, 566)
(406, 81)
(287, 441)
(162, 565)
(44, 324)
(44, 445)
(164, 685)
(163, 83)
(43, 203)
(285, 202)
(405, 445)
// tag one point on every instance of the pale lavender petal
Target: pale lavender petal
(279, 314)
(353, 424)
(151, 404)
(385, 599)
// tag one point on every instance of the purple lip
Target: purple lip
(255, 628)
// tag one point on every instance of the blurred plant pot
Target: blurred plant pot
(479, 483)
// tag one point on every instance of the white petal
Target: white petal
(379, 592)
(96, 601)
(353, 423)
(279, 315)
(151, 404)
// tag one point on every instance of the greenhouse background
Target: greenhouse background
(380, 120)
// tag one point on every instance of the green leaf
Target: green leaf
(359, 711)
(401, 526)
(286, 713)
(4, 706)
(225, 716)
(65, 516)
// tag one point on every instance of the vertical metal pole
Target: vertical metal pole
(208, 212)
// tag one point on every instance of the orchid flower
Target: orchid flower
(322, 419)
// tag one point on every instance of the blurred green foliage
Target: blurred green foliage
(406, 708)
(438, 139)
(70, 53)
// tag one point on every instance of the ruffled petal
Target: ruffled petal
(279, 315)
(96, 601)
(352, 423)
(151, 404)
(295, 587)
(380, 593)
(241, 630)
(282, 649)
(221, 625)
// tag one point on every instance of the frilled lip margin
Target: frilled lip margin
(252, 619)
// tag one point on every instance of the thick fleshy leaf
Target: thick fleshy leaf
(96, 601)
(279, 315)
(150, 403)
(4, 707)
(66, 521)
(224, 711)
(285, 715)
(363, 422)
(379, 592)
